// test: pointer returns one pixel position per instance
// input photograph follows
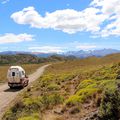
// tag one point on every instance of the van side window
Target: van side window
(13, 74)
(22, 73)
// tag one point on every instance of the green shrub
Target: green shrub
(16, 109)
(87, 91)
(108, 72)
(34, 116)
(110, 105)
(46, 79)
(53, 86)
(85, 83)
(74, 100)
(104, 84)
(9, 115)
(64, 77)
(53, 99)
(33, 104)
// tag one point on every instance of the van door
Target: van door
(14, 76)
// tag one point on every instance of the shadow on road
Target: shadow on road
(13, 90)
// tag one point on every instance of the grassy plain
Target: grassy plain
(76, 87)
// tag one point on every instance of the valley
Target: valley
(72, 90)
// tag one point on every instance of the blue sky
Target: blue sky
(58, 26)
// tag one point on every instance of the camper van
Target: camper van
(16, 77)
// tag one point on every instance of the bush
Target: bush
(87, 92)
(85, 83)
(53, 86)
(53, 99)
(33, 103)
(9, 115)
(16, 109)
(64, 77)
(103, 84)
(34, 116)
(110, 105)
(74, 100)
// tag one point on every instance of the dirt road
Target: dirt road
(7, 95)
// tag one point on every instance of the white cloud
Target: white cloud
(68, 20)
(83, 46)
(13, 38)
(63, 48)
(5, 1)
(111, 9)
(102, 17)
(46, 49)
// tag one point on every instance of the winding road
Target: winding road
(7, 95)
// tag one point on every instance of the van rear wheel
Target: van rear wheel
(11, 87)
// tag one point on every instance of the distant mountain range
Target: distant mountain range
(78, 54)
(97, 53)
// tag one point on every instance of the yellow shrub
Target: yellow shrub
(34, 116)
(85, 83)
(74, 100)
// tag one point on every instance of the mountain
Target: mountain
(13, 52)
(38, 54)
(30, 58)
(97, 53)
(78, 54)
(44, 55)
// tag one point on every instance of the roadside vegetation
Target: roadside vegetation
(73, 89)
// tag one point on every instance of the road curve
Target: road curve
(7, 95)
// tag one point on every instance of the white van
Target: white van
(16, 77)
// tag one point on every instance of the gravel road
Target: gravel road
(7, 95)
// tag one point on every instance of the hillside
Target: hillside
(72, 90)
(28, 58)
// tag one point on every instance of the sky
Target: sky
(59, 25)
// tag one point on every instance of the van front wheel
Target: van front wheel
(25, 84)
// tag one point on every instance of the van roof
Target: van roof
(18, 67)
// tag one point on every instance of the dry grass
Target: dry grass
(69, 84)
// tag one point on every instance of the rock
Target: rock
(94, 115)
(64, 109)
(28, 89)
(58, 111)
(91, 116)
(118, 77)
(74, 110)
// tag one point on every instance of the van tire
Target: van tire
(11, 87)
(26, 83)
(22, 86)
